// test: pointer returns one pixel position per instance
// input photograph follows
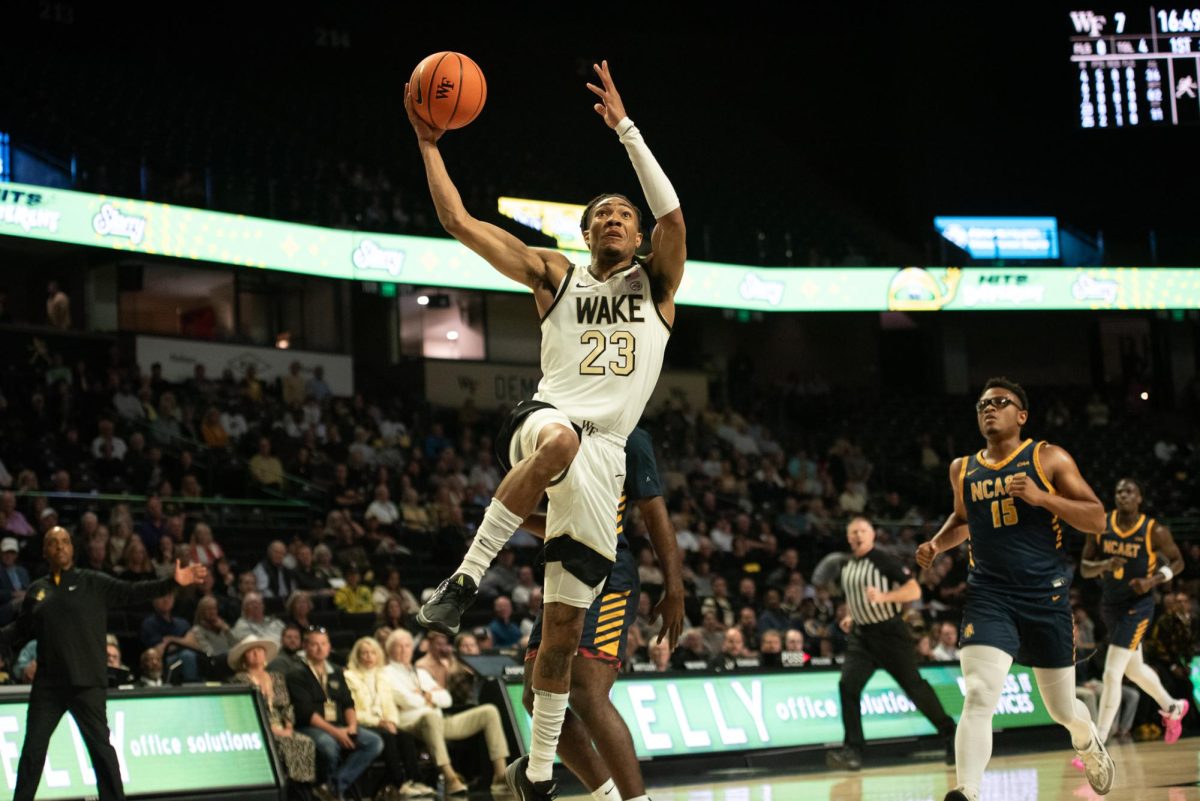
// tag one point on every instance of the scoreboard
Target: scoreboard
(1137, 67)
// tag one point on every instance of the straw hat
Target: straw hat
(250, 641)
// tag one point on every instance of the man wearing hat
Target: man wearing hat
(67, 612)
(14, 579)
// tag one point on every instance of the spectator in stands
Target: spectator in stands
(773, 615)
(1096, 412)
(14, 579)
(690, 654)
(414, 513)
(421, 701)
(719, 601)
(354, 597)
(323, 566)
(58, 307)
(203, 548)
(135, 564)
(291, 650)
(292, 386)
(164, 563)
(505, 633)
(274, 579)
(166, 427)
(1171, 644)
(306, 574)
(466, 644)
(382, 508)
(14, 521)
(265, 469)
(255, 621)
(771, 649)
(212, 432)
(391, 587)
(163, 631)
(325, 712)
(443, 665)
(154, 523)
(376, 709)
(297, 610)
(532, 612)
(316, 388)
(209, 630)
(234, 423)
(251, 386)
(947, 643)
(105, 436)
(733, 649)
(524, 588)
(649, 573)
(97, 555)
(660, 655)
(249, 658)
(150, 668)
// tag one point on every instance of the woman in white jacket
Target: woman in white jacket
(376, 710)
(420, 701)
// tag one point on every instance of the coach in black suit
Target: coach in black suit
(67, 612)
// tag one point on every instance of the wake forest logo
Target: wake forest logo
(601, 309)
(444, 88)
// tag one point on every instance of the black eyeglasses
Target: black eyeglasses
(999, 402)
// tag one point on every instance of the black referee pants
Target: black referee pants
(884, 645)
(47, 704)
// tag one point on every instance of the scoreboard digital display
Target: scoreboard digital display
(1137, 67)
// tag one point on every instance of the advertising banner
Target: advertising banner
(138, 226)
(164, 744)
(679, 714)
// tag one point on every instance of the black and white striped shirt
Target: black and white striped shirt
(876, 569)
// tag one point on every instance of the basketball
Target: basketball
(448, 90)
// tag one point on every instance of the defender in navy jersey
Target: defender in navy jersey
(1134, 554)
(592, 716)
(1011, 500)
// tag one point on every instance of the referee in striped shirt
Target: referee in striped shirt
(876, 586)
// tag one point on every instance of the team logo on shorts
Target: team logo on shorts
(969, 631)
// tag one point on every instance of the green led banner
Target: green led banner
(678, 714)
(161, 229)
(164, 744)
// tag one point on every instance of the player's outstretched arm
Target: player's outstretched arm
(954, 531)
(539, 269)
(1072, 501)
(666, 549)
(669, 239)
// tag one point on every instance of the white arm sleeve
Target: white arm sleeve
(655, 184)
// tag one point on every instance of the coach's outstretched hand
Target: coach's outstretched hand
(192, 574)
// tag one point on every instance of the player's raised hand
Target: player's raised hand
(425, 132)
(610, 106)
(1021, 486)
(926, 552)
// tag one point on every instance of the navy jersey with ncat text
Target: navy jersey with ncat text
(1013, 545)
(1135, 546)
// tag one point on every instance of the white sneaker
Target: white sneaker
(1098, 766)
(411, 789)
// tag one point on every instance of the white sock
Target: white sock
(984, 671)
(1148, 679)
(549, 709)
(606, 792)
(1115, 665)
(497, 527)
(641, 798)
(1057, 686)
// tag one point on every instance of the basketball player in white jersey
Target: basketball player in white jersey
(604, 330)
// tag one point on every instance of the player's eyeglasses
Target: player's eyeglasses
(999, 402)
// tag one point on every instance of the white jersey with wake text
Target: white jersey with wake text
(602, 348)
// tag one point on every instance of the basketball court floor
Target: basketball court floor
(1148, 771)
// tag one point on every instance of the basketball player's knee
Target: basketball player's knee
(1113, 675)
(980, 696)
(557, 447)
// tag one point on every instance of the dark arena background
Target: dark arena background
(234, 332)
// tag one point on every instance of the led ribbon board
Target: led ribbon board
(157, 229)
(681, 714)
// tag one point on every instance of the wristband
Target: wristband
(655, 184)
(1167, 573)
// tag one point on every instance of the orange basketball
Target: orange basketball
(448, 90)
